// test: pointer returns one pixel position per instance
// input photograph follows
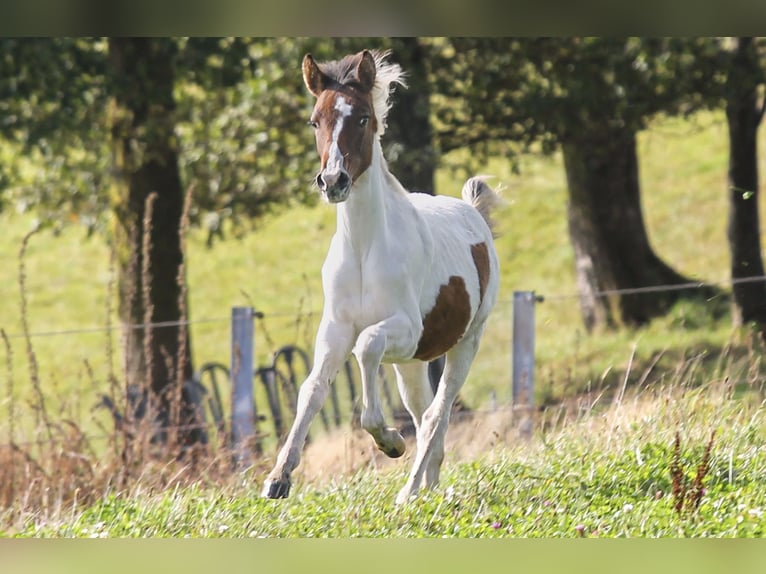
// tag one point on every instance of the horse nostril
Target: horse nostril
(343, 180)
(321, 184)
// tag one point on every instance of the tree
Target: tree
(146, 177)
(408, 141)
(52, 95)
(590, 96)
(744, 113)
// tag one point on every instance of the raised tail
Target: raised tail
(478, 193)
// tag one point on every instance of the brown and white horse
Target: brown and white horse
(408, 278)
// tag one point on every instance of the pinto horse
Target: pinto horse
(409, 277)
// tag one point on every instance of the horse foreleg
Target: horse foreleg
(394, 336)
(332, 347)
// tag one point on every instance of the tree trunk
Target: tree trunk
(743, 115)
(145, 159)
(606, 228)
(408, 141)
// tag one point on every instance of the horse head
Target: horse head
(343, 118)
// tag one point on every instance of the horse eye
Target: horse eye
(363, 120)
(313, 124)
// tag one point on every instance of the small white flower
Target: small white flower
(627, 508)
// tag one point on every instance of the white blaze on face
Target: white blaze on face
(334, 156)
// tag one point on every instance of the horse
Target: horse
(408, 277)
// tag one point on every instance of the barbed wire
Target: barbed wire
(278, 314)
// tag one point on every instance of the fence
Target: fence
(260, 399)
(290, 365)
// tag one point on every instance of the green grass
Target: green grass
(605, 474)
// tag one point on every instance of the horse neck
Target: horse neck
(362, 218)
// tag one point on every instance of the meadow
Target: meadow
(600, 456)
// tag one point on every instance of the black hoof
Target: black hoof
(393, 452)
(276, 489)
(395, 446)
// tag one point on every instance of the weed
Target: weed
(687, 495)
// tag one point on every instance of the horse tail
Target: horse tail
(480, 195)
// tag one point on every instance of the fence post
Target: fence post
(523, 369)
(242, 415)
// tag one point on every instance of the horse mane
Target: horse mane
(387, 74)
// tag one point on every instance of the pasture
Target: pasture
(593, 467)
(606, 474)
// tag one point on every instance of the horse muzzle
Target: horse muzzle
(335, 186)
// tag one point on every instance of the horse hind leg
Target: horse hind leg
(435, 419)
(414, 385)
(414, 389)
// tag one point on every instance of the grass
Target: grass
(687, 372)
(601, 473)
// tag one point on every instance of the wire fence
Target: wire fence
(277, 384)
(292, 314)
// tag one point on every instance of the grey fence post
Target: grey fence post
(523, 382)
(242, 415)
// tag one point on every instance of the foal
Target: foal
(408, 277)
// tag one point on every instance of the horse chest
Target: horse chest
(366, 290)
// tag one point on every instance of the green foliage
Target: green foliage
(241, 107)
(244, 145)
(53, 93)
(505, 95)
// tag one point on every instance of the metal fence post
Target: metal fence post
(242, 415)
(523, 382)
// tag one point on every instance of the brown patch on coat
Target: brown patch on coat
(445, 324)
(480, 255)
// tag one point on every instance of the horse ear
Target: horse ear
(313, 77)
(365, 71)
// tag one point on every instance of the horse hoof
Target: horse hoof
(396, 447)
(276, 489)
(404, 497)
